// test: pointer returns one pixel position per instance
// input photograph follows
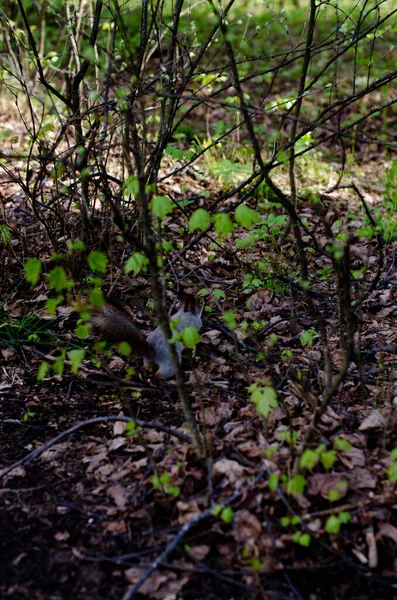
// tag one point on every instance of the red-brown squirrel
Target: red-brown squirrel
(116, 326)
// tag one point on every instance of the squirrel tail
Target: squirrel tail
(114, 326)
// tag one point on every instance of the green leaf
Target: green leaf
(246, 216)
(5, 235)
(223, 224)
(131, 428)
(125, 349)
(334, 495)
(296, 485)
(264, 398)
(43, 370)
(328, 459)
(136, 263)
(332, 524)
(199, 220)
(218, 294)
(76, 357)
(227, 515)
(52, 304)
(295, 520)
(393, 454)
(217, 509)
(173, 490)
(345, 517)
(58, 367)
(230, 319)
(285, 522)
(131, 185)
(307, 337)
(58, 280)
(308, 460)
(190, 336)
(342, 444)
(96, 297)
(78, 245)
(304, 540)
(82, 331)
(392, 472)
(165, 478)
(98, 262)
(32, 270)
(161, 206)
(273, 482)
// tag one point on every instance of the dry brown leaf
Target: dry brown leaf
(119, 495)
(164, 585)
(117, 364)
(199, 552)
(324, 483)
(247, 527)
(374, 421)
(115, 527)
(388, 530)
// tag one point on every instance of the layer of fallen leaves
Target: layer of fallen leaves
(93, 513)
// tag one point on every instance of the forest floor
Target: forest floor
(87, 518)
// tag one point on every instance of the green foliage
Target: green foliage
(307, 337)
(28, 416)
(336, 494)
(328, 459)
(58, 279)
(342, 444)
(227, 515)
(96, 297)
(131, 428)
(43, 370)
(286, 355)
(303, 539)
(5, 235)
(273, 481)
(200, 219)
(131, 185)
(334, 522)
(296, 485)
(392, 469)
(223, 224)
(179, 154)
(309, 459)
(98, 262)
(32, 269)
(246, 216)
(136, 263)
(76, 357)
(190, 337)
(264, 397)
(53, 303)
(161, 206)
(218, 294)
(230, 319)
(124, 349)
(164, 483)
(77, 246)
(82, 331)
